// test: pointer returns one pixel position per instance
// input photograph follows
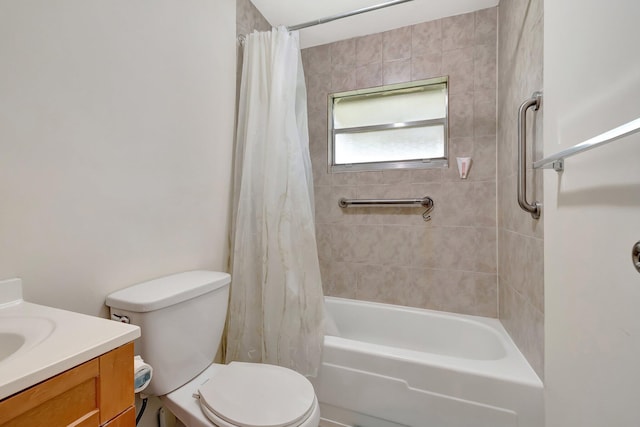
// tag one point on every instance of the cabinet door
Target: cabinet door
(125, 419)
(116, 382)
(66, 399)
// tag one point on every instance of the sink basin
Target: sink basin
(19, 334)
(10, 344)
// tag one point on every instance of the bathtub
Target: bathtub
(391, 366)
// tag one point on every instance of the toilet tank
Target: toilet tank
(181, 317)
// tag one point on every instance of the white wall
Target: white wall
(591, 214)
(116, 128)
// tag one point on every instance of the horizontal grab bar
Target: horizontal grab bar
(426, 202)
(556, 161)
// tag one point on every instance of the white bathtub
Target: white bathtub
(398, 366)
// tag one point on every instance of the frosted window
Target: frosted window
(390, 145)
(397, 126)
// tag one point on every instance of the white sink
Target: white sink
(11, 343)
(38, 342)
(21, 333)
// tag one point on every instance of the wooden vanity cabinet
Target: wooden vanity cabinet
(96, 393)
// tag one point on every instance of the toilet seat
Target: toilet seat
(257, 395)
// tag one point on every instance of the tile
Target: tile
(426, 66)
(507, 146)
(318, 130)
(326, 202)
(525, 325)
(521, 260)
(483, 166)
(456, 58)
(243, 14)
(461, 115)
(343, 280)
(386, 191)
(465, 202)
(398, 176)
(458, 31)
(356, 243)
(369, 75)
(397, 245)
(382, 283)
(458, 291)
(258, 21)
(369, 49)
(426, 175)
(370, 178)
(426, 38)
(421, 287)
(343, 79)
(485, 68)
(487, 250)
(320, 175)
(396, 71)
(484, 118)
(449, 243)
(363, 216)
(317, 60)
(459, 65)
(343, 53)
(486, 30)
(318, 88)
(344, 178)
(396, 44)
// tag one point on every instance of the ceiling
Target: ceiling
(291, 12)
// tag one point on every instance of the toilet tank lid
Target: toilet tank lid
(165, 291)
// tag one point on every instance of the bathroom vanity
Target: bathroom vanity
(60, 368)
(96, 393)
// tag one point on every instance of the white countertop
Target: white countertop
(66, 339)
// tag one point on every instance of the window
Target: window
(396, 126)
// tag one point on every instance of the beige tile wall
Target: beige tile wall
(520, 254)
(248, 18)
(392, 255)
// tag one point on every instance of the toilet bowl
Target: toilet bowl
(191, 404)
(182, 318)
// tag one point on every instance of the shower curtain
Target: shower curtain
(276, 302)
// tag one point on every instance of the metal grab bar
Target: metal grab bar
(426, 202)
(533, 102)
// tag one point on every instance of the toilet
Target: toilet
(182, 317)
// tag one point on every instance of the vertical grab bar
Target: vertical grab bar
(532, 208)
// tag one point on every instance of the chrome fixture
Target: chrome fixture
(635, 255)
(556, 161)
(533, 102)
(426, 202)
(345, 15)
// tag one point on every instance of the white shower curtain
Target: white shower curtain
(276, 302)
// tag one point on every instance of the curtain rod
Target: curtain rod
(345, 15)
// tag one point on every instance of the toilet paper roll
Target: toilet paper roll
(142, 373)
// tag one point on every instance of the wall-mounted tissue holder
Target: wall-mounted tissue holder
(464, 163)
